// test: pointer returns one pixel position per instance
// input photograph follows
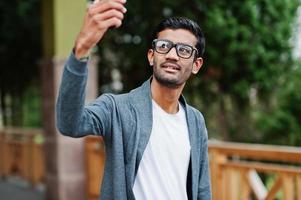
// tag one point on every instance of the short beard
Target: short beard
(173, 84)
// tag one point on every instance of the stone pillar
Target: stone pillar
(65, 161)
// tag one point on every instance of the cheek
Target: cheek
(157, 60)
(188, 65)
(154, 61)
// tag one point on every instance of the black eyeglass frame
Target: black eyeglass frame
(172, 46)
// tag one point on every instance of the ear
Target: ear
(150, 57)
(197, 64)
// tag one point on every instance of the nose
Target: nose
(172, 54)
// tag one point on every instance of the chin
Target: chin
(170, 83)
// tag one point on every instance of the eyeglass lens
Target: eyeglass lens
(164, 46)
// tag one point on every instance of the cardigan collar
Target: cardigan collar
(144, 109)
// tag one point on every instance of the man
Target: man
(156, 144)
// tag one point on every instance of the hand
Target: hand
(99, 17)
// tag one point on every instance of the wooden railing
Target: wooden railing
(236, 169)
(95, 158)
(21, 154)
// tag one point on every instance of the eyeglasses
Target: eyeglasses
(164, 46)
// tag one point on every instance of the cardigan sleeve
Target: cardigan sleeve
(73, 118)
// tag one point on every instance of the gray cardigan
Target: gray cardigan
(125, 122)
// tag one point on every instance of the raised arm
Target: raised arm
(73, 118)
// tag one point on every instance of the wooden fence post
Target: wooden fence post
(288, 187)
(1, 153)
(298, 187)
(217, 176)
(25, 156)
(95, 158)
(7, 158)
(245, 187)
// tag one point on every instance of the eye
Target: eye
(163, 45)
(185, 50)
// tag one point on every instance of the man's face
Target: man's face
(169, 69)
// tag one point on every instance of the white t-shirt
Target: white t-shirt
(162, 172)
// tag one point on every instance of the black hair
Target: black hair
(183, 23)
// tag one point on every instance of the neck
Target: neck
(166, 97)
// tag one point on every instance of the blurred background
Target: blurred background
(249, 89)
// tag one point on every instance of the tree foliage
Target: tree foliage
(20, 50)
(245, 88)
(282, 124)
(247, 53)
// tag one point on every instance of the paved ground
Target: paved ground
(16, 189)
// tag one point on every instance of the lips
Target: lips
(171, 66)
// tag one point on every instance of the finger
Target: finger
(111, 22)
(104, 1)
(107, 15)
(101, 7)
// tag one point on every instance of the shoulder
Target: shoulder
(110, 100)
(136, 96)
(115, 98)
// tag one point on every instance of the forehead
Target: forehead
(178, 36)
